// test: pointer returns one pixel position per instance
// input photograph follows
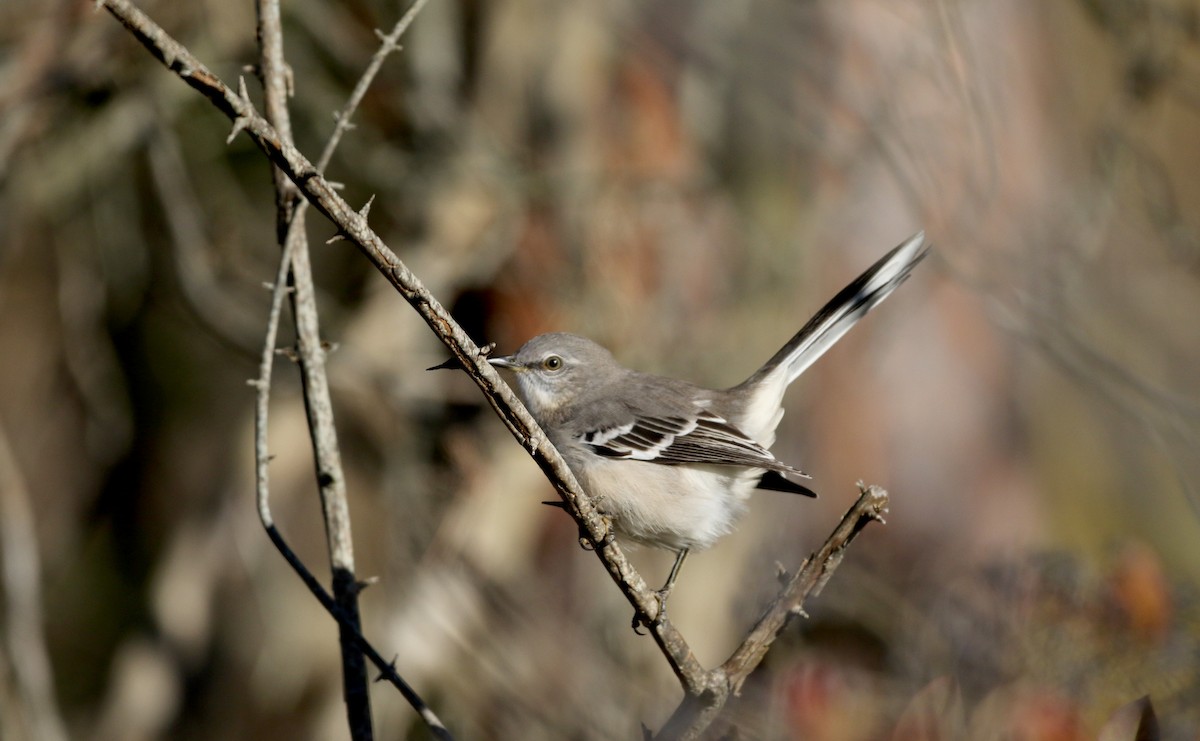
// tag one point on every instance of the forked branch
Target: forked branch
(697, 712)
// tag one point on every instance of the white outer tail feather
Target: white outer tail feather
(822, 331)
(887, 278)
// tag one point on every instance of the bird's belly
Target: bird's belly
(675, 507)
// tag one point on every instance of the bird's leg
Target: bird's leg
(662, 593)
(665, 591)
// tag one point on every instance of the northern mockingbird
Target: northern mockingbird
(671, 463)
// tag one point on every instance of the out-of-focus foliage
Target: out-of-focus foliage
(684, 181)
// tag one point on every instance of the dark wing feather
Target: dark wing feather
(674, 440)
(775, 481)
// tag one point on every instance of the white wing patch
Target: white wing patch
(644, 439)
(703, 437)
(603, 437)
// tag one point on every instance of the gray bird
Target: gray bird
(671, 463)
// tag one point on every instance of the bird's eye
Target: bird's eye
(552, 363)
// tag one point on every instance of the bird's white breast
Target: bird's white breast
(682, 506)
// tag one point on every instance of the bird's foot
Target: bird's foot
(639, 621)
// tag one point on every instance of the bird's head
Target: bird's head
(552, 370)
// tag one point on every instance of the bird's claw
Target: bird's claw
(640, 621)
(662, 595)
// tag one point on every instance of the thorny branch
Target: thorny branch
(331, 481)
(705, 691)
(262, 459)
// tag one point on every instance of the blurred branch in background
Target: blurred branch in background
(225, 316)
(571, 165)
(28, 708)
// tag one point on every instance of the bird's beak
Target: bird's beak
(501, 362)
(505, 361)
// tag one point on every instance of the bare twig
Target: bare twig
(262, 460)
(697, 712)
(277, 85)
(388, 44)
(871, 506)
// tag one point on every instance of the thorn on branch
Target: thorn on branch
(239, 125)
(366, 209)
(781, 573)
(244, 93)
(336, 184)
(453, 363)
(242, 121)
(388, 45)
(391, 667)
(343, 122)
(361, 585)
(289, 353)
(271, 287)
(336, 238)
(257, 383)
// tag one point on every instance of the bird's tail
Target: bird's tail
(837, 317)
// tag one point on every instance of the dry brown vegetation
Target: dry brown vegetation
(685, 182)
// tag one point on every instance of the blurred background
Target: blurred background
(685, 181)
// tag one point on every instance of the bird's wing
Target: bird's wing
(673, 439)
